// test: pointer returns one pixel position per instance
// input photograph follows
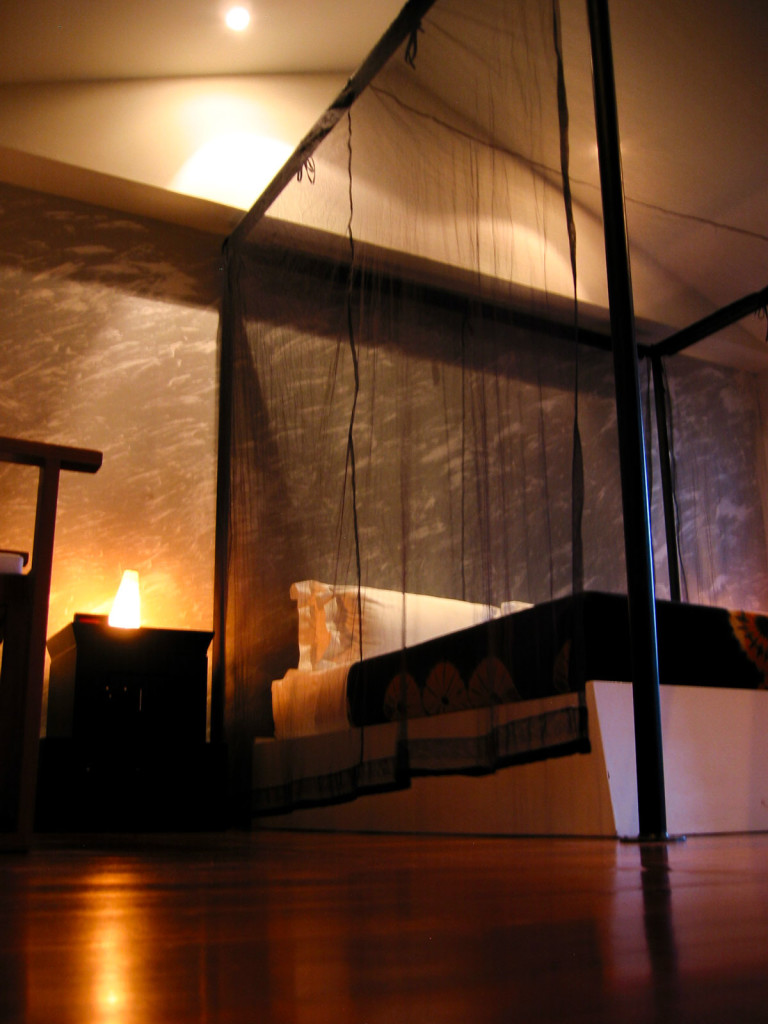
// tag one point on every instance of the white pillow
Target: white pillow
(328, 621)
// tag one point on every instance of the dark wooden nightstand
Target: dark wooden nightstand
(126, 732)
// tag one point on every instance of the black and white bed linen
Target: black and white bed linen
(506, 690)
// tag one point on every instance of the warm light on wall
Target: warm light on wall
(232, 168)
(237, 18)
(126, 608)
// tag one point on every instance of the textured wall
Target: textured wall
(108, 340)
(718, 434)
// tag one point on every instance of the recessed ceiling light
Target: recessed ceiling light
(238, 18)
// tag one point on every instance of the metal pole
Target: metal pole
(406, 22)
(711, 324)
(223, 501)
(634, 481)
(665, 462)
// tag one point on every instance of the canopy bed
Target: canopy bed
(436, 515)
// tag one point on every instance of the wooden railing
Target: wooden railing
(23, 625)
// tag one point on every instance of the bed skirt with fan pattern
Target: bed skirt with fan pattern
(507, 691)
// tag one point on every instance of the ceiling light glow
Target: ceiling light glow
(238, 18)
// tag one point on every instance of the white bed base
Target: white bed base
(715, 744)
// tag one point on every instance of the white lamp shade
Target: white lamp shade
(126, 608)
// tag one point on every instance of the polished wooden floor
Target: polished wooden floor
(309, 929)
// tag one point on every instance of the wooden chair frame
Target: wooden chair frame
(23, 626)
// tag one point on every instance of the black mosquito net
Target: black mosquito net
(418, 393)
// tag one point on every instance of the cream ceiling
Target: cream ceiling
(89, 40)
(156, 107)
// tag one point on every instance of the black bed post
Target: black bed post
(223, 499)
(634, 480)
(665, 462)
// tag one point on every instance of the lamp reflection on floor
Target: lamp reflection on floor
(99, 956)
(105, 928)
(111, 951)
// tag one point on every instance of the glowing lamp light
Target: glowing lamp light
(238, 19)
(126, 608)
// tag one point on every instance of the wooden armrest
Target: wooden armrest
(36, 453)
